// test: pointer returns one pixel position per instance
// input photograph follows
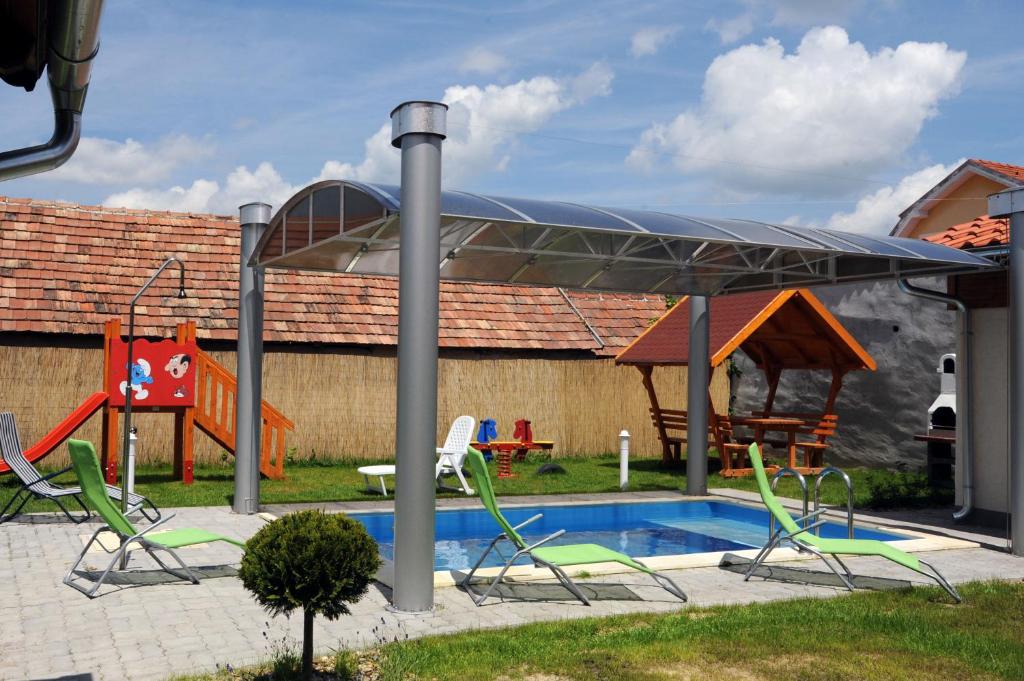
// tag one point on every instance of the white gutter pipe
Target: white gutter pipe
(72, 42)
(965, 391)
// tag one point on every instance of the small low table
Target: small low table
(504, 449)
(378, 471)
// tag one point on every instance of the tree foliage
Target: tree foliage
(311, 560)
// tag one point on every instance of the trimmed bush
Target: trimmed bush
(313, 561)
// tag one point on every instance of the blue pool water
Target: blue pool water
(660, 528)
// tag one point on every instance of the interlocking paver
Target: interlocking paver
(152, 632)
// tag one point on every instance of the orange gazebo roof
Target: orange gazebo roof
(782, 330)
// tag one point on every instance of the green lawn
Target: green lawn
(339, 481)
(914, 635)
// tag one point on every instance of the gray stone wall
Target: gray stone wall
(879, 412)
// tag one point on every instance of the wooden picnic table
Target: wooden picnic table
(505, 448)
(779, 424)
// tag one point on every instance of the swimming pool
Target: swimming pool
(640, 529)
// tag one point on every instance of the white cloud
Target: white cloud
(805, 122)
(731, 30)
(483, 124)
(104, 161)
(879, 211)
(193, 199)
(207, 196)
(649, 40)
(482, 60)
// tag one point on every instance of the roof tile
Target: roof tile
(980, 232)
(67, 268)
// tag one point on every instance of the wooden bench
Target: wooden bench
(671, 425)
(732, 449)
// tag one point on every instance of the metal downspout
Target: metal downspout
(72, 43)
(965, 428)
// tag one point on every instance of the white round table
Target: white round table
(378, 472)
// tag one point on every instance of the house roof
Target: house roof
(66, 268)
(1007, 170)
(1006, 174)
(981, 232)
(789, 329)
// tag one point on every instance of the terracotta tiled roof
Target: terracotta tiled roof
(789, 329)
(66, 268)
(617, 319)
(980, 232)
(1007, 169)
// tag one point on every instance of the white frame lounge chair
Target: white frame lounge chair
(451, 457)
(40, 487)
(452, 454)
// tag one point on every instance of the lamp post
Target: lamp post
(126, 441)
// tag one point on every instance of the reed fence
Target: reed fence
(343, 405)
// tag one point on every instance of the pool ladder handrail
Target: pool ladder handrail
(830, 470)
(781, 473)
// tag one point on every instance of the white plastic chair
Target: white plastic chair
(452, 455)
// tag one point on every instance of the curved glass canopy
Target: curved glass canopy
(345, 226)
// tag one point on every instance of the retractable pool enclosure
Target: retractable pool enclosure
(345, 226)
(360, 228)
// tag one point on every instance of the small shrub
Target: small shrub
(900, 489)
(313, 561)
(346, 665)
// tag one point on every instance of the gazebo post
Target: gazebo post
(773, 374)
(833, 389)
(418, 129)
(253, 219)
(1010, 204)
(698, 378)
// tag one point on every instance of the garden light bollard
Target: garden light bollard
(624, 460)
(129, 474)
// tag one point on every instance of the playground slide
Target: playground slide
(63, 430)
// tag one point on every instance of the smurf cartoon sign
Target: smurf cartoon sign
(161, 375)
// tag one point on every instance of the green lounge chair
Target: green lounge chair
(802, 539)
(87, 468)
(552, 557)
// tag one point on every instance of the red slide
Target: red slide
(63, 430)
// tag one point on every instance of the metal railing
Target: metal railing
(849, 496)
(783, 472)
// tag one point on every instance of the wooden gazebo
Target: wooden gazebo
(777, 330)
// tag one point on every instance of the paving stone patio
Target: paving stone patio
(151, 628)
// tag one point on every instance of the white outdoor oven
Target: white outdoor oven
(942, 413)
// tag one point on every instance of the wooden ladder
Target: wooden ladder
(215, 415)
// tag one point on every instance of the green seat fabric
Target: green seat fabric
(174, 539)
(585, 554)
(852, 547)
(87, 468)
(575, 554)
(553, 557)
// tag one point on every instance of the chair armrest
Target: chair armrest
(545, 540)
(810, 516)
(806, 529)
(528, 521)
(54, 475)
(150, 528)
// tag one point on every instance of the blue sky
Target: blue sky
(807, 111)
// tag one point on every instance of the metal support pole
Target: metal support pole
(1010, 204)
(253, 218)
(698, 377)
(418, 129)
